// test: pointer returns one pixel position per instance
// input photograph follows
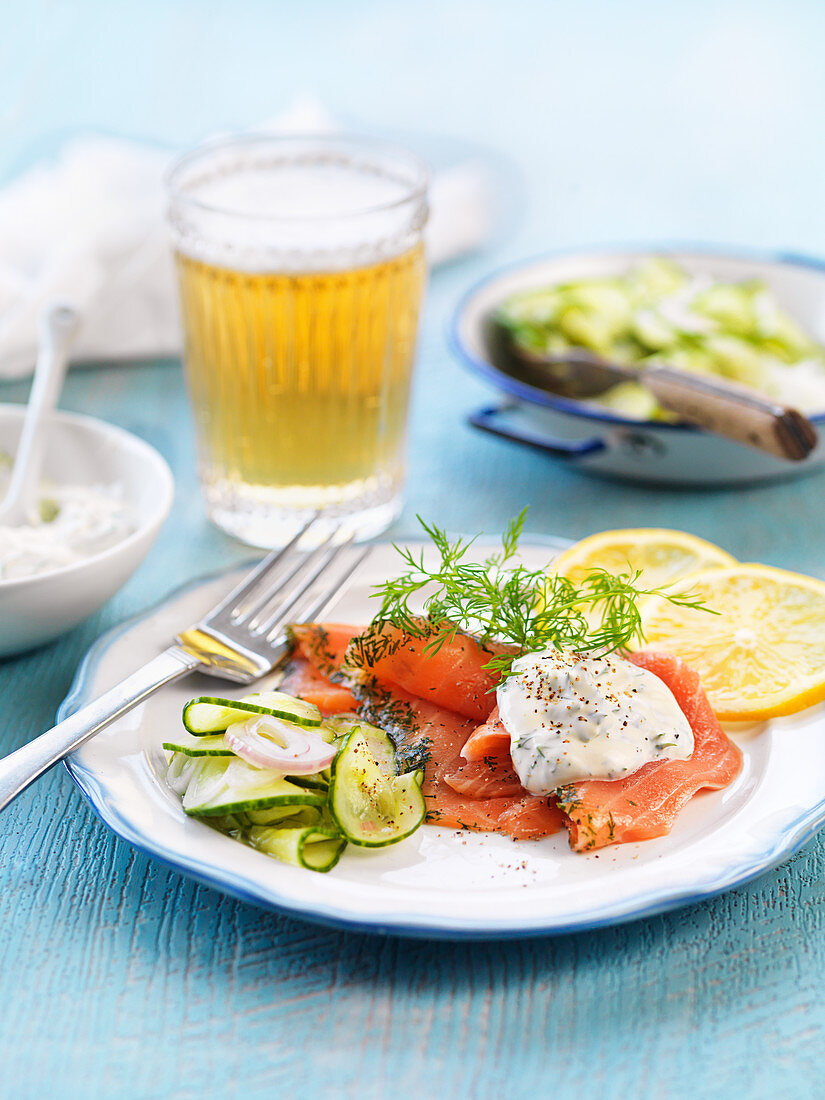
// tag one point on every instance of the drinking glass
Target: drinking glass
(301, 268)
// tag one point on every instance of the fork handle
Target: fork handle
(24, 765)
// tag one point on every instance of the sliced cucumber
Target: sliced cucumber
(326, 732)
(206, 714)
(180, 771)
(209, 745)
(314, 849)
(219, 785)
(631, 398)
(379, 744)
(283, 815)
(371, 805)
(278, 703)
(317, 782)
(339, 724)
(231, 825)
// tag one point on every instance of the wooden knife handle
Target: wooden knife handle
(734, 411)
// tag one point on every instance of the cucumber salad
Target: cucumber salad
(659, 313)
(269, 771)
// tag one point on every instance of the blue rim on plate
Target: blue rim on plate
(104, 802)
(531, 394)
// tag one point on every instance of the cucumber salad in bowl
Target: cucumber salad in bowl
(659, 312)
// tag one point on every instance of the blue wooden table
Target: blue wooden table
(119, 978)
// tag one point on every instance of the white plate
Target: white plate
(441, 882)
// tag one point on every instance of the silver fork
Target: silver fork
(241, 639)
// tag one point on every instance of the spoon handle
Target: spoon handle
(58, 324)
(734, 411)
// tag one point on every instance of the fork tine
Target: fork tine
(303, 612)
(252, 614)
(283, 607)
(250, 581)
(243, 647)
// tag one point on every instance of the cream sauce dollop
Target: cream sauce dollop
(574, 716)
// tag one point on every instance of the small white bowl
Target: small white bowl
(83, 451)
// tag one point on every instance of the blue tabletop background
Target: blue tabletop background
(636, 121)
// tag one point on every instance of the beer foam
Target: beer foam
(325, 191)
(317, 212)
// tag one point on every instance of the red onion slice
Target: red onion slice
(269, 742)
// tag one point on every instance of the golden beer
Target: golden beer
(299, 362)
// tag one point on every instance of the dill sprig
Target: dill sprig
(500, 599)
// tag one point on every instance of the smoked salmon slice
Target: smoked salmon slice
(525, 818)
(532, 818)
(646, 804)
(303, 680)
(313, 672)
(469, 779)
(489, 778)
(324, 645)
(454, 676)
(490, 740)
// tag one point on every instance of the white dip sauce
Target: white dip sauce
(72, 522)
(572, 717)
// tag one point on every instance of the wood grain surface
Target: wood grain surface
(121, 980)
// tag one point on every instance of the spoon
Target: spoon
(58, 324)
(725, 408)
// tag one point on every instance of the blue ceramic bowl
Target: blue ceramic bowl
(598, 440)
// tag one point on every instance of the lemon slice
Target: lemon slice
(761, 655)
(662, 555)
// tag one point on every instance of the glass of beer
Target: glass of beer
(301, 269)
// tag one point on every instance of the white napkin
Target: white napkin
(89, 227)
